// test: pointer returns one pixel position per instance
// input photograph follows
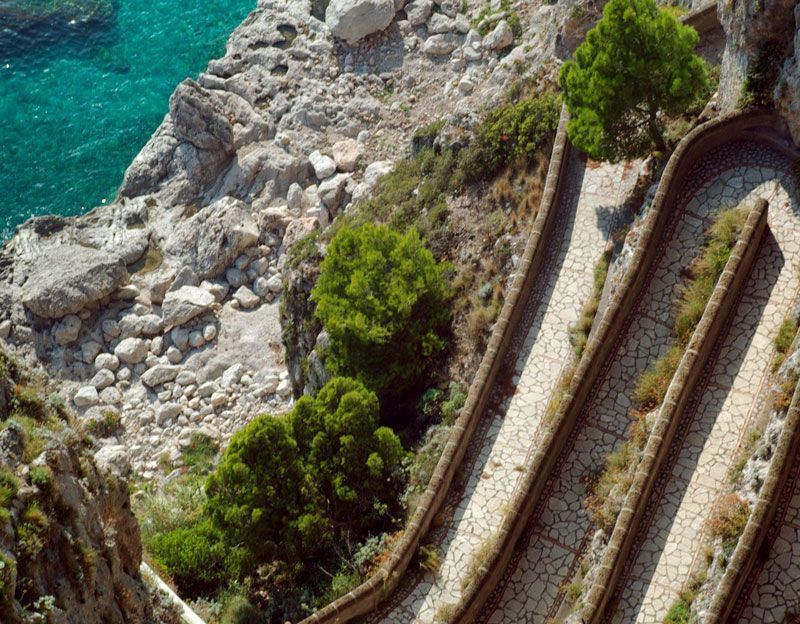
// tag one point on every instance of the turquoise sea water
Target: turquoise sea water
(77, 102)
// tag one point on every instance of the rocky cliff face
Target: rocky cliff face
(759, 38)
(69, 544)
(787, 92)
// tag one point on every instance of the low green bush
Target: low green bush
(9, 484)
(195, 558)
(107, 425)
(239, 610)
(41, 476)
(330, 475)
(258, 495)
(343, 582)
(199, 454)
(26, 401)
(783, 341)
(510, 133)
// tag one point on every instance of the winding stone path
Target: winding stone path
(560, 530)
(670, 542)
(541, 350)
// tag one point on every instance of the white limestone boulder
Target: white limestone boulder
(352, 20)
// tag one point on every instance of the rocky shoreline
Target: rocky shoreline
(162, 309)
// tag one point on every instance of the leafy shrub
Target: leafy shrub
(513, 132)
(329, 472)
(383, 300)
(258, 497)
(451, 408)
(354, 464)
(195, 558)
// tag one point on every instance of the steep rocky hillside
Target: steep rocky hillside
(69, 543)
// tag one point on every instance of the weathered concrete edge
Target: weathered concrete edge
(600, 347)
(367, 596)
(720, 306)
(758, 524)
(187, 615)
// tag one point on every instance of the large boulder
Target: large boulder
(70, 277)
(160, 374)
(441, 45)
(352, 20)
(500, 38)
(212, 239)
(131, 350)
(184, 304)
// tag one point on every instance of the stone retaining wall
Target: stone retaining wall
(693, 363)
(367, 596)
(747, 549)
(603, 344)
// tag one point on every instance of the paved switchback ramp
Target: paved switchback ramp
(559, 531)
(541, 351)
(668, 548)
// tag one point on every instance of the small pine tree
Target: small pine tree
(638, 62)
(382, 298)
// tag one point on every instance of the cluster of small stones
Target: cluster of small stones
(133, 363)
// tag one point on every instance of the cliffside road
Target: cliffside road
(670, 542)
(542, 349)
(560, 530)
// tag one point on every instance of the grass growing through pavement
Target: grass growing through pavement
(703, 275)
(607, 490)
